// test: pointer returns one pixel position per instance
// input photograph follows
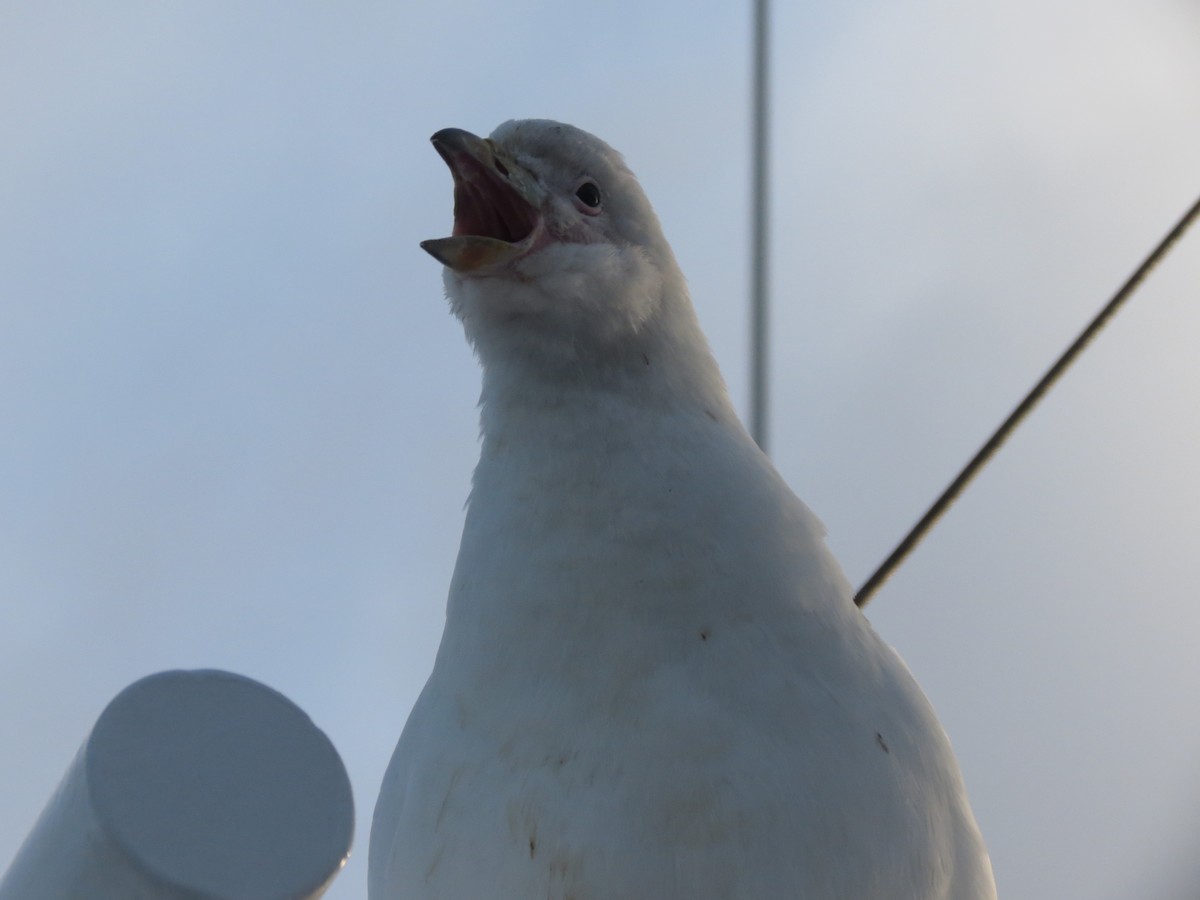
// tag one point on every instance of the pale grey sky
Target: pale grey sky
(240, 423)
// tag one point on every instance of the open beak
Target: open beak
(496, 218)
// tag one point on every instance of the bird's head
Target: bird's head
(556, 257)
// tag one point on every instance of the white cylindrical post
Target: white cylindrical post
(192, 784)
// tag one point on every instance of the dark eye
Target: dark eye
(589, 194)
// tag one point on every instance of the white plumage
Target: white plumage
(652, 682)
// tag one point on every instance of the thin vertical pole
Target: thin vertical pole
(758, 270)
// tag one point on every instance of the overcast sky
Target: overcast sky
(239, 422)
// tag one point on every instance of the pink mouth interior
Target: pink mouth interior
(485, 205)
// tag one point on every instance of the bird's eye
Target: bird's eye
(589, 194)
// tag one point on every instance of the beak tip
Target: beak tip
(455, 139)
(470, 253)
(435, 248)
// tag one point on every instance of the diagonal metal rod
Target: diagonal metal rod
(988, 450)
(758, 268)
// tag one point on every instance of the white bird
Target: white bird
(653, 682)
